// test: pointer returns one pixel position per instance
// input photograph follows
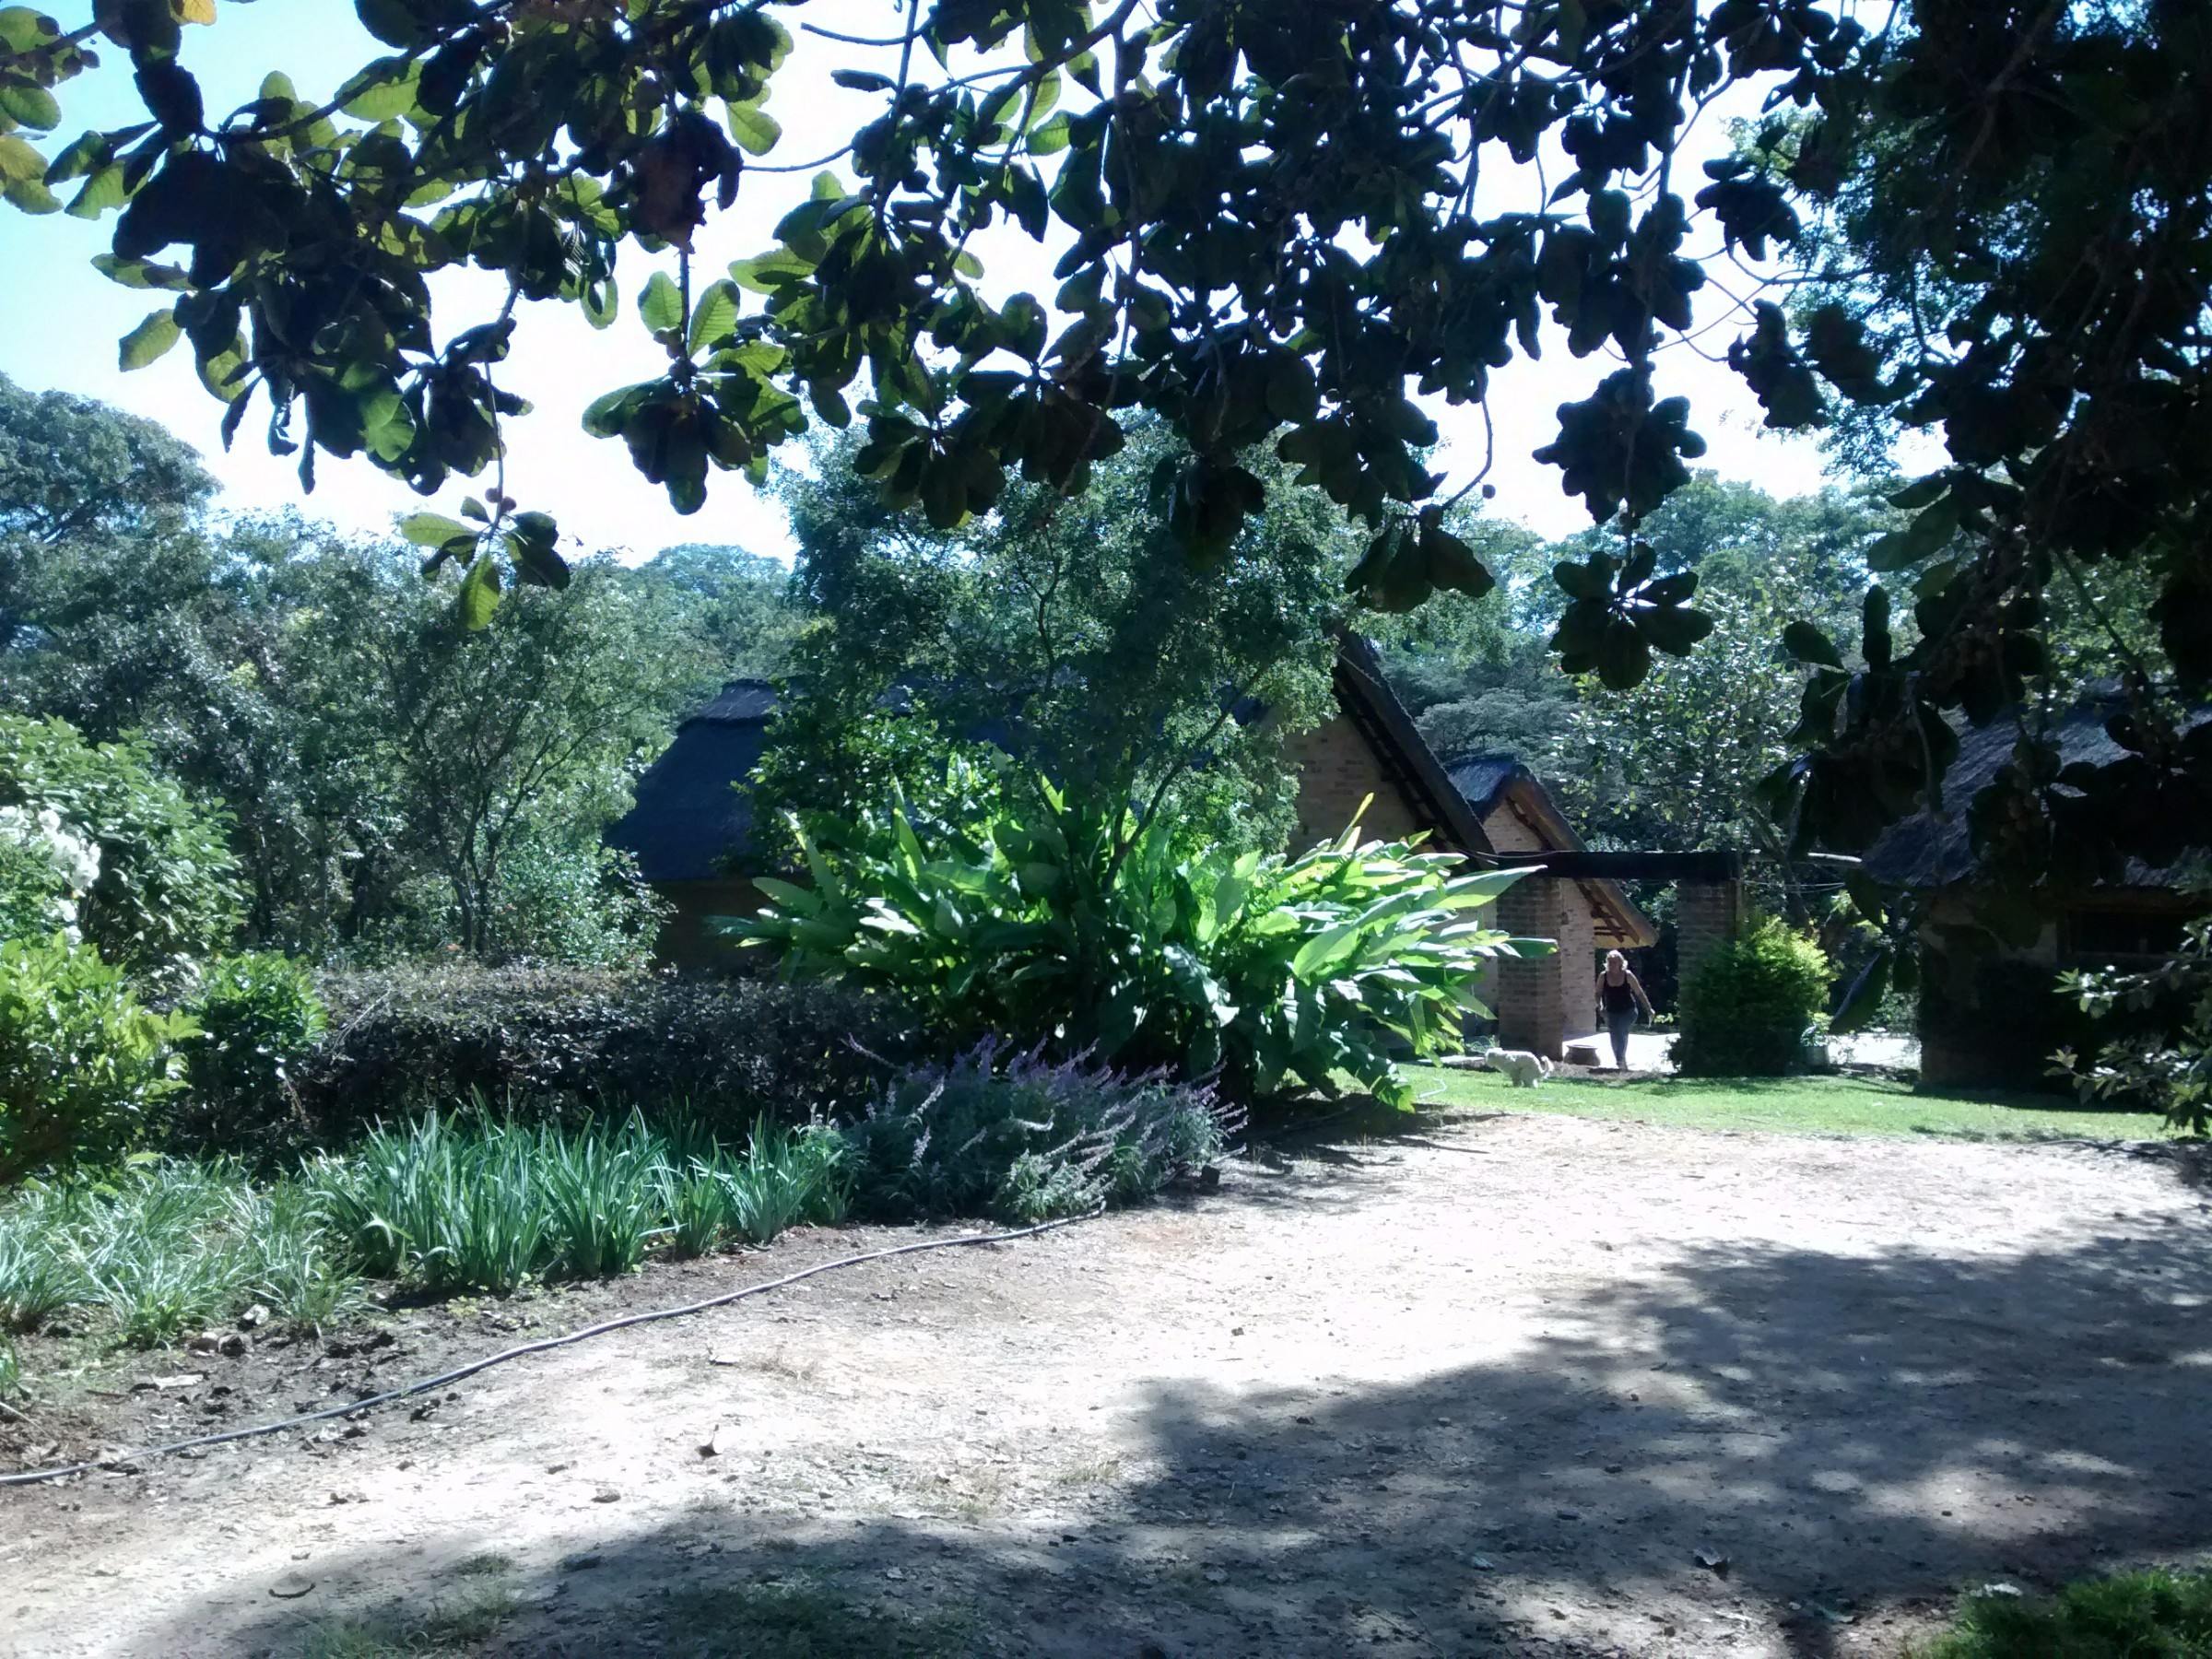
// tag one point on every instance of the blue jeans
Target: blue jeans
(1619, 1022)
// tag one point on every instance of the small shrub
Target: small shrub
(2154, 1614)
(1746, 1009)
(83, 1063)
(580, 905)
(259, 1015)
(1023, 1139)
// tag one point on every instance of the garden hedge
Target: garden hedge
(560, 1043)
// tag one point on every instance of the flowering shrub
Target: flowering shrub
(45, 870)
(1024, 1139)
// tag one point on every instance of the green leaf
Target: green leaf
(767, 272)
(1808, 644)
(479, 596)
(432, 529)
(862, 80)
(149, 340)
(754, 128)
(1051, 138)
(20, 162)
(31, 196)
(385, 90)
(139, 274)
(713, 316)
(31, 105)
(102, 191)
(662, 304)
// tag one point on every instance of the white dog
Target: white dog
(1526, 1069)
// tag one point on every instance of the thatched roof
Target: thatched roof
(691, 815)
(1498, 783)
(1929, 849)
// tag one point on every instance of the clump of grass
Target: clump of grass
(600, 1192)
(444, 1628)
(2154, 1614)
(11, 1370)
(36, 1282)
(804, 1616)
(458, 1207)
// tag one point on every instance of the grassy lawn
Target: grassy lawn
(1793, 1105)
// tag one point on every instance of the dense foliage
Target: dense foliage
(2165, 1063)
(395, 784)
(1046, 919)
(164, 891)
(84, 1064)
(259, 1016)
(1995, 209)
(1069, 634)
(1749, 1008)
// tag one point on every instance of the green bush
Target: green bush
(2156, 1030)
(567, 1043)
(83, 1063)
(2154, 1614)
(1024, 1139)
(1746, 1010)
(167, 892)
(579, 906)
(259, 1015)
(1051, 922)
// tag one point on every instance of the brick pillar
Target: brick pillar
(1532, 1010)
(1707, 914)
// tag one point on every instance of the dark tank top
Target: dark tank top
(1619, 998)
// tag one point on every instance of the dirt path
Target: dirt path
(1491, 1388)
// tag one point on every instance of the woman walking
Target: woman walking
(1620, 995)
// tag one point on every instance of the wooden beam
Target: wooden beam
(1633, 866)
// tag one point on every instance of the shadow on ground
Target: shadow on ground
(1849, 1433)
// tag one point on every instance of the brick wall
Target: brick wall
(1335, 770)
(1706, 913)
(1532, 1008)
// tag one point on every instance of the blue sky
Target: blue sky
(63, 320)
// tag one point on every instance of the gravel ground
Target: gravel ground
(1506, 1384)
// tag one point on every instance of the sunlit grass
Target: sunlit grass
(1793, 1105)
(2155, 1615)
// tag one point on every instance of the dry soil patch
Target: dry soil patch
(1495, 1387)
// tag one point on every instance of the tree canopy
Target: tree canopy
(1284, 220)
(1068, 635)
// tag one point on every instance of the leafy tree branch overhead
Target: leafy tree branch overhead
(1284, 220)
